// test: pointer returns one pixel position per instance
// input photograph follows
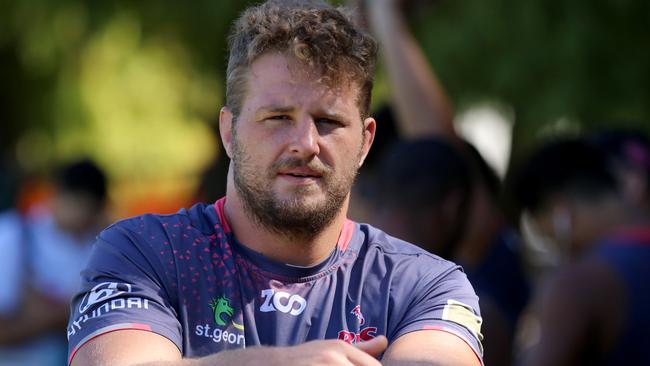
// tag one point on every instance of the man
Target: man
(274, 273)
(594, 309)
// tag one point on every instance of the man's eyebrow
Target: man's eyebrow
(332, 115)
(275, 109)
(279, 108)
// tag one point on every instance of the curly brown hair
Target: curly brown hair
(312, 32)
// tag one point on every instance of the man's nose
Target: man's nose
(305, 139)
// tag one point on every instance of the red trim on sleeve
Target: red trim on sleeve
(221, 213)
(132, 326)
(449, 331)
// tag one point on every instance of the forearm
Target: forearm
(410, 363)
(421, 104)
(241, 357)
(426, 363)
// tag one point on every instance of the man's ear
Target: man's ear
(369, 128)
(225, 129)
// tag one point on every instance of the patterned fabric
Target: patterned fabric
(185, 277)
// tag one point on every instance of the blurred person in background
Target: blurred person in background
(11, 229)
(593, 309)
(628, 155)
(426, 192)
(423, 192)
(459, 216)
(40, 265)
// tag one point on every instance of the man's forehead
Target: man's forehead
(280, 68)
(282, 83)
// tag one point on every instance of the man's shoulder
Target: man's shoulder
(390, 247)
(160, 228)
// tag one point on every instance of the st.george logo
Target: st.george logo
(221, 307)
(103, 292)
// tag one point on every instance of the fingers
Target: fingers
(374, 347)
(334, 352)
(359, 357)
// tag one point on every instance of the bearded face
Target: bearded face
(306, 209)
(296, 146)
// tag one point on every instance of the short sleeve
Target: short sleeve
(441, 299)
(124, 286)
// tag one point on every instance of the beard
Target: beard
(296, 217)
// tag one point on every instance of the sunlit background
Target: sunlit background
(137, 86)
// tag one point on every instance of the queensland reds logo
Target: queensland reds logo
(365, 334)
(357, 312)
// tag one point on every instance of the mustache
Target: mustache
(293, 162)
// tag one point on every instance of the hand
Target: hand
(334, 352)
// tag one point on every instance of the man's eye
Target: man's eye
(328, 121)
(280, 117)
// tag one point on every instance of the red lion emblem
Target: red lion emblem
(357, 312)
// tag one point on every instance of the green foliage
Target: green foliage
(107, 79)
(581, 60)
(582, 63)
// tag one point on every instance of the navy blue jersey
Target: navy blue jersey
(185, 277)
(628, 254)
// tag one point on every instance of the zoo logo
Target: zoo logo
(221, 306)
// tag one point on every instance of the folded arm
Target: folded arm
(141, 348)
(430, 348)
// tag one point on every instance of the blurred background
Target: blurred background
(135, 87)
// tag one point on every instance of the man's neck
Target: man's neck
(298, 251)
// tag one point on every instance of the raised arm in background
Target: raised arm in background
(422, 106)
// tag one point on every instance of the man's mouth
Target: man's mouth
(300, 173)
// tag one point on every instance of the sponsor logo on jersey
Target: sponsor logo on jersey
(283, 302)
(101, 293)
(223, 314)
(108, 306)
(364, 335)
(219, 335)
